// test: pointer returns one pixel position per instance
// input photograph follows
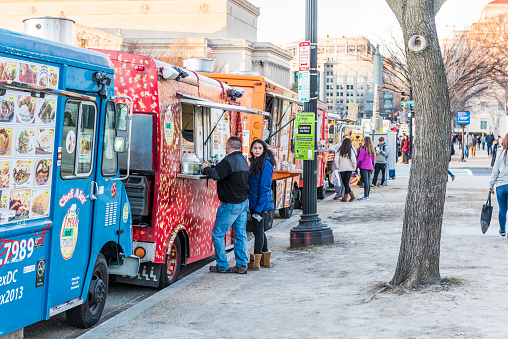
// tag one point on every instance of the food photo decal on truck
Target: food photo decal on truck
(20, 203)
(40, 202)
(26, 108)
(25, 139)
(5, 174)
(22, 173)
(5, 141)
(45, 139)
(42, 172)
(8, 69)
(7, 107)
(46, 110)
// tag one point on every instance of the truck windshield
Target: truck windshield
(141, 144)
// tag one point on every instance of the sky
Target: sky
(284, 20)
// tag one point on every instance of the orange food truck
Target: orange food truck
(321, 152)
(277, 130)
(180, 119)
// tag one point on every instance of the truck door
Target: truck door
(75, 183)
(108, 209)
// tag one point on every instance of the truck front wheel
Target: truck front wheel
(88, 314)
(171, 268)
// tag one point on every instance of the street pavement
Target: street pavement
(320, 291)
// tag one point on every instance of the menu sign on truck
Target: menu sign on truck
(27, 140)
(304, 135)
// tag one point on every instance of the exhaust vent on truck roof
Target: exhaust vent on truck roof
(50, 28)
(199, 65)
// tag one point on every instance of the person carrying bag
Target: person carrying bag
(499, 178)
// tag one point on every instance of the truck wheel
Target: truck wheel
(88, 314)
(298, 198)
(171, 268)
(268, 222)
(287, 212)
(321, 192)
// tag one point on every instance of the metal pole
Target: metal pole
(310, 229)
(463, 145)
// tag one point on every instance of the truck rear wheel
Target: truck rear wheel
(88, 314)
(287, 212)
(321, 192)
(171, 268)
(268, 222)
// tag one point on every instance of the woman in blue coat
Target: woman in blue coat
(262, 163)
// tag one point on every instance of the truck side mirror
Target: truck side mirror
(120, 144)
(122, 114)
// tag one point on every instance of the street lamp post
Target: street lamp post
(310, 229)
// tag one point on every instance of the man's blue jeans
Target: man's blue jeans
(466, 151)
(502, 200)
(231, 215)
(489, 149)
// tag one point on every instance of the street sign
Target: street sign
(304, 135)
(304, 86)
(304, 56)
(463, 118)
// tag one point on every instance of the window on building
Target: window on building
(483, 124)
(340, 87)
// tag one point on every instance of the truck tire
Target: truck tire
(321, 192)
(171, 268)
(287, 212)
(88, 314)
(268, 222)
(298, 198)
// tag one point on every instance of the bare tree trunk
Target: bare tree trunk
(418, 262)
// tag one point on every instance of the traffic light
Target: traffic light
(404, 98)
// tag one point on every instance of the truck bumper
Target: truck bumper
(130, 267)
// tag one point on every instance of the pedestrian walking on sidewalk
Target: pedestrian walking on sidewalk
(262, 163)
(365, 162)
(459, 138)
(382, 153)
(499, 178)
(345, 163)
(467, 144)
(452, 152)
(489, 139)
(232, 175)
(405, 149)
(473, 145)
(484, 141)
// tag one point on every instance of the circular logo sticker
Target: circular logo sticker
(70, 141)
(125, 214)
(69, 232)
(113, 190)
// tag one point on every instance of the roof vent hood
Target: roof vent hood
(199, 65)
(51, 28)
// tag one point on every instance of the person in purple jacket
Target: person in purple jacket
(365, 162)
(262, 164)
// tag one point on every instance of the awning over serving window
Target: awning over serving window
(283, 97)
(333, 116)
(29, 88)
(205, 103)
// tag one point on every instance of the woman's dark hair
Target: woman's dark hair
(345, 148)
(256, 164)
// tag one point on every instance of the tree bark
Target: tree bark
(418, 262)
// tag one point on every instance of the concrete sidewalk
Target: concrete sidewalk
(319, 292)
(480, 161)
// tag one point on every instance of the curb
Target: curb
(110, 325)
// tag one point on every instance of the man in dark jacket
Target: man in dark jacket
(490, 140)
(232, 175)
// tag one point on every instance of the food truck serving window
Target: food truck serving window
(141, 144)
(109, 156)
(78, 139)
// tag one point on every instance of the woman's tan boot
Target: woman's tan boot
(254, 263)
(265, 259)
(344, 198)
(352, 196)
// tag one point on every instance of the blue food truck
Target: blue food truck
(65, 220)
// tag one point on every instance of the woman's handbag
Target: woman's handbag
(486, 214)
